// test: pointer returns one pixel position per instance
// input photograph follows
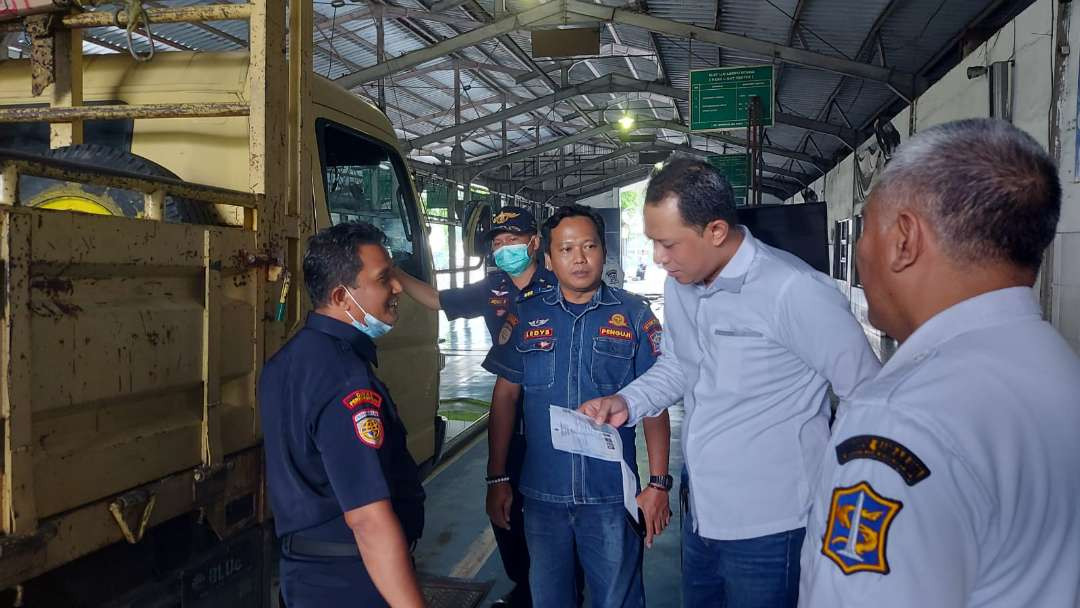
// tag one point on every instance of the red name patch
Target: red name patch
(541, 332)
(362, 397)
(611, 332)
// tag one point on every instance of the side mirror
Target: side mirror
(475, 225)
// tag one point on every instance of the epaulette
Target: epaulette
(536, 291)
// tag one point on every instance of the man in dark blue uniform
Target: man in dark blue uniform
(514, 243)
(572, 342)
(345, 492)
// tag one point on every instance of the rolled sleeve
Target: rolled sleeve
(349, 432)
(504, 360)
(465, 302)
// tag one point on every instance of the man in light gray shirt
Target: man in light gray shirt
(754, 338)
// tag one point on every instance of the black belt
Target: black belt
(298, 545)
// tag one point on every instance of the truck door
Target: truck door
(365, 179)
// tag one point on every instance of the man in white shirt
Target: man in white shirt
(956, 467)
(754, 338)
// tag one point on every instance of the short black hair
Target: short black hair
(991, 190)
(573, 210)
(704, 193)
(332, 257)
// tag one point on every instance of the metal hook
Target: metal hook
(134, 12)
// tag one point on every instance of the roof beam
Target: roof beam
(605, 182)
(643, 124)
(559, 12)
(629, 170)
(435, 51)
(462, 64)
(592, 162)
(615, 83)
(410, 13)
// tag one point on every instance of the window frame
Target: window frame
(418, 236)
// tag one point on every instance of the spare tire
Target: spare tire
(55, 194)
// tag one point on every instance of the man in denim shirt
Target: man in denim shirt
(570, 343)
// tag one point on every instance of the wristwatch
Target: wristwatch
(661, 482)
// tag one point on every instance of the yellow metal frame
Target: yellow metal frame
(31, 545)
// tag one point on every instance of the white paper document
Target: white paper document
(574, 432)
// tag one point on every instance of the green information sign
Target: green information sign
(719, 97)
(735, 168)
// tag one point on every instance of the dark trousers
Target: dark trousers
(760, 572)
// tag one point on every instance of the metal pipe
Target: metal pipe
(189, 14)
(112, 112)
(77, 172)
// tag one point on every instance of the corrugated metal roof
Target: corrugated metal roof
(421, 101)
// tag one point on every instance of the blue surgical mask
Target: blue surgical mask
(513, 259)
(373, 327)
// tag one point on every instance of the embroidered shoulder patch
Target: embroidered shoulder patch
(361, 397)
(884, 450)
(369, 427)
(650, 325)
(507, 329)
(858, 528)
(655, 336)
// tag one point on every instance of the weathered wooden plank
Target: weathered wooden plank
(211, 372)
(20, 512)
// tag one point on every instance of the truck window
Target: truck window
(365, 180)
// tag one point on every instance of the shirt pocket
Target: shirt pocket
(538, 361)
(611, 361)
(732, 347)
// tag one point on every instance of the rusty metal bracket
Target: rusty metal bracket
(128, 505)
(39, 29)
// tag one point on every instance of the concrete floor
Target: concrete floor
(457, 539)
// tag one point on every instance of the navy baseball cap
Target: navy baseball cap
(516, 220)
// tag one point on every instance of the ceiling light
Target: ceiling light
(626, 122)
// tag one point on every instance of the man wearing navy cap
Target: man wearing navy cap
(514, 243)
(345, 492)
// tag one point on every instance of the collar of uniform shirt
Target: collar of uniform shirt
(984, 310)
(361, 343)
(603, 296)
(732, 277)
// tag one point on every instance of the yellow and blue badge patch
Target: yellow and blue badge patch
(618, 320)
(858, 528)
(369, 427)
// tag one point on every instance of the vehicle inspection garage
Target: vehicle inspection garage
(552, 303)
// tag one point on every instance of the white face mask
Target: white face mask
(372, 327)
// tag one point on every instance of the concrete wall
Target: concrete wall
(1029, 41)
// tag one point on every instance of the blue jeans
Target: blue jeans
(758, 572)
(608, 548)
